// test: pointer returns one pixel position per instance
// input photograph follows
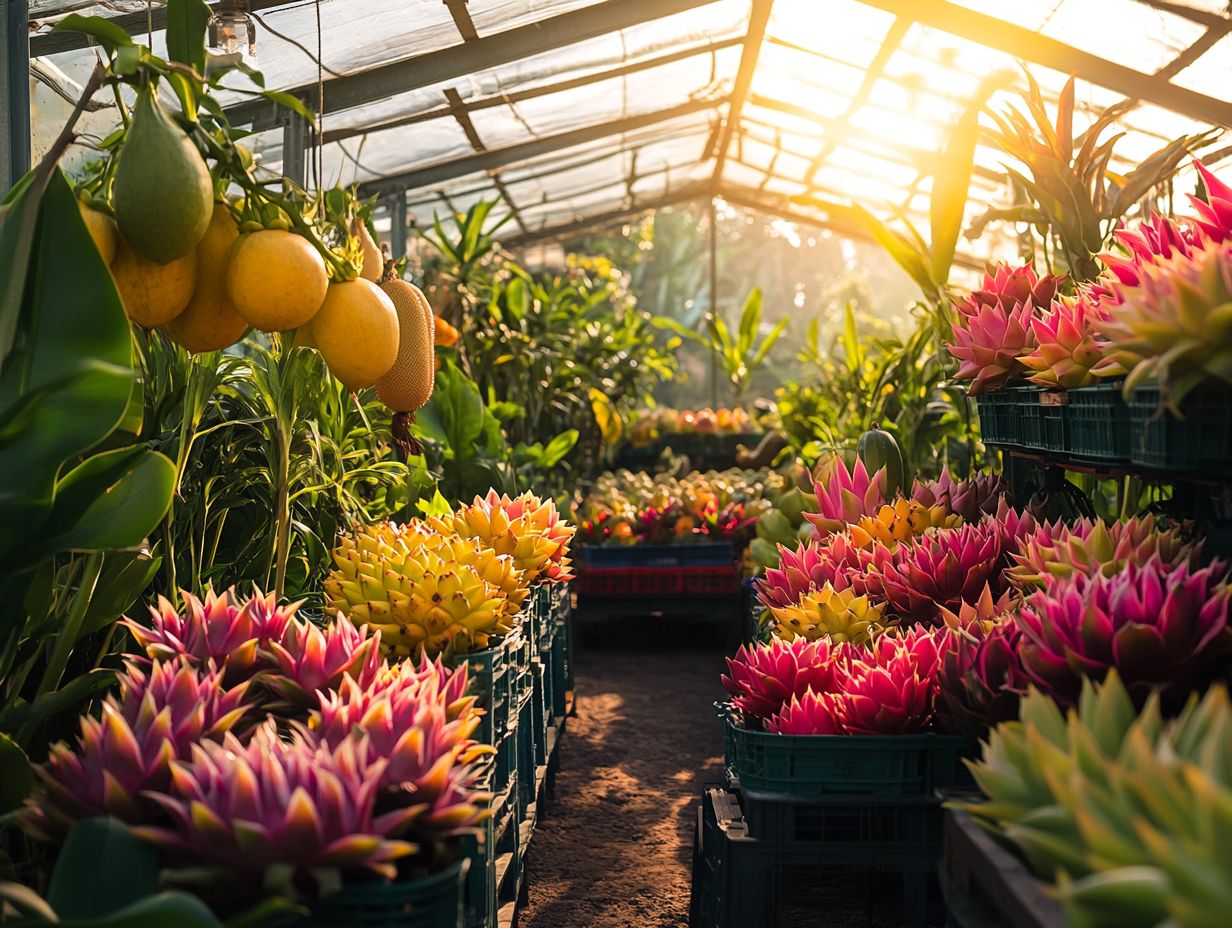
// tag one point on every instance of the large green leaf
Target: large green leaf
(952, 180)
(164, 910)
(111, 501)
(107, 33)
(70, 373)
(124, 576)
(16, 774)
(186, 22)
(81, 689)
(102, 868)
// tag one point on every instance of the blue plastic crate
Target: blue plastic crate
(702, 553)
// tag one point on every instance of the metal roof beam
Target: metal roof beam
(694, 191)
(525, 151)
(462, 19)
(517, 96)
(759, 18)
(342, 93)
(468, 129)
(1040, 49)
(749, 200)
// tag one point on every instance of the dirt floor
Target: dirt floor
(614, 850)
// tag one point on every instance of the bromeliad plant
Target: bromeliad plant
(1127, 814)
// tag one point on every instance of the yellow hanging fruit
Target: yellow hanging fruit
(356, 331)
(408, 384)
(374, 261)
(210, 322)
(276, 279)
(153, 294)
(102, 229)
(163, 192)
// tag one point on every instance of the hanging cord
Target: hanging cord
(320, 140)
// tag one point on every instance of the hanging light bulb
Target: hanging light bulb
(232, 31)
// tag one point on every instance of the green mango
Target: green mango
(164, 196)
(877, 448)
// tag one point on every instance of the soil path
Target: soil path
(614, 850)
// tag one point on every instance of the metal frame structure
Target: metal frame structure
(731, 120)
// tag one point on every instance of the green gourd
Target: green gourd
(164, 196)
(877, 448)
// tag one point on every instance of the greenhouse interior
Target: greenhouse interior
(616, 463)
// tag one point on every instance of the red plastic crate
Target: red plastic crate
(612, 582)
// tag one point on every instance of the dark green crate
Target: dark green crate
(1028, 419)
(505, 761)
(559, 665)
(1099, 423)
(526, 754)
(825, 765)
(497, 838)
(540, 713)
(1200, 442)
(946, 770)
(489, 679)
(1054, 420)
(431, 902)
(998, 420)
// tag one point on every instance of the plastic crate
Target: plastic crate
(858, 829)
(826, 765)
(1200, 443)
(431, 902)
(559, 668)
(721, 580)
(1054, 420)
(496, 836)
(488, 677)
(526, 753)
(998, 419)
(1027, 415)
(1099, 423)
(946, 770)
(740, 881)
(658, 555)
(986, 886)
(541, 713)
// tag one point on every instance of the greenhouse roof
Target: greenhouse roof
(575, 113)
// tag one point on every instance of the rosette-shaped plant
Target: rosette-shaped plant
(811, 713)
(527, 529)
(311, 659)
(1175, 328)
(894, 691)
(836, 560)
(1154, 623)
(840, 615)
(763, 677)
(899, 521)
(969, 499)
(418, 722)
(1088, 547)
(941, 569)
(231, 632)
(981, 679)
(279, 816)
(499, 570)
(983, 615)
(1006, 286)
(423, 604)
(1014, 525)
(1153, 240)
(1068, 344)
(845, 495)
(159, 714)
(988, 344)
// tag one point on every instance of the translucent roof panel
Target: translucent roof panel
(611, 105)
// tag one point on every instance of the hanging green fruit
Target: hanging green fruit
(163, 193)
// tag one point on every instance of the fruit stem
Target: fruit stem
(404, 441)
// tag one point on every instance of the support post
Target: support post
(15, 93)
(714, 299)
(295, 147)
(397, 225)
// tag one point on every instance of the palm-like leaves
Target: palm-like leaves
(1071, 191)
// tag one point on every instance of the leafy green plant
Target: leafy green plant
(739, 355)
(1072, 199)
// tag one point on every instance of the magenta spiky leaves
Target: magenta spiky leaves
(160, 713)
(1068, 343)
(278, 815)
(1007, 286)
(969, 499)
(763, 678)
(418, 722)
(225, 629)
(1214, 219)
(1153, 240)
(981, 679)
(835, 560)
(1153, 623)
(311, 660)
(943, 568)
(988, 344)
(844, 496)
